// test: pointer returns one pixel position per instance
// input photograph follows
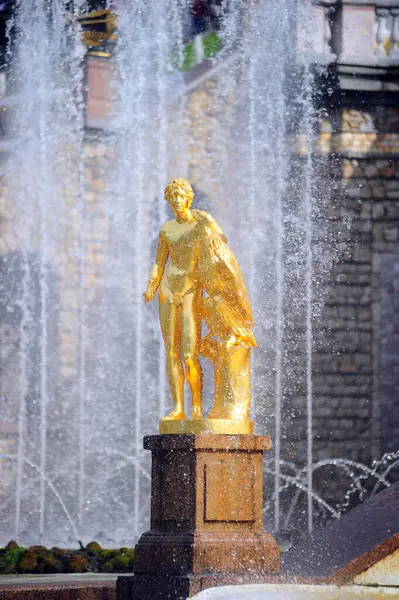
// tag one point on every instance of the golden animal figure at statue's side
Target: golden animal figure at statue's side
(193, 259)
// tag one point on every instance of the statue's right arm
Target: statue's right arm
(157, 268)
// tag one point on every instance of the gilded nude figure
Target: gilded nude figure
(193, 259)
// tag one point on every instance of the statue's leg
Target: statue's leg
(191, 339)
(170, 319)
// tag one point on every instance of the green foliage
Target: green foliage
(94, 547)
(28, 562)
(12, 545)
(9, 557)
(121, 563)
(77, 564)
(32, 560)
(59, 552)
(38, 559)
(188, 57)
(212, 45)
(52, 564)
(39, 550)
(106, 555)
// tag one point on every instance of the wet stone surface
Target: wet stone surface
(351, 544)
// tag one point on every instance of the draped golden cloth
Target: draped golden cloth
(228, 315)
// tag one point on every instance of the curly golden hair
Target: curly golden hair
(180, 184)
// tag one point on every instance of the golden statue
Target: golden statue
(200, 262)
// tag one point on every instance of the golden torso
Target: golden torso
(182, 242)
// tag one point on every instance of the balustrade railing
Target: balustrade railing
(363, 32)
(387, 32)
(324, 13)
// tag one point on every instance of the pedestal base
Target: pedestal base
(156, 587)
(206, 517)
(211, 553)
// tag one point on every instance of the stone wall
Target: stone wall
(356, 375)
(389, 352)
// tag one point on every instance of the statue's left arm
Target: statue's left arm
(217, 236)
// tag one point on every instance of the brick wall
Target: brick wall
(356, 374)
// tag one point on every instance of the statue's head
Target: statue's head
(179, 194)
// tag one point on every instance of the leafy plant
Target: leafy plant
(38, 559)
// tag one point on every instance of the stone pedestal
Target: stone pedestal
(206, 517)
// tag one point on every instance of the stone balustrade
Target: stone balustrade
(321, 29)
(387, 32)
(356, 32)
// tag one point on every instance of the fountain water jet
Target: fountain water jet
(236, 146)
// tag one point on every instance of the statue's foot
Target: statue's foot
(196, 413)
(215, 414)
(177, 414)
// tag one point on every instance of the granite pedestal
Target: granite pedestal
(206, 517)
